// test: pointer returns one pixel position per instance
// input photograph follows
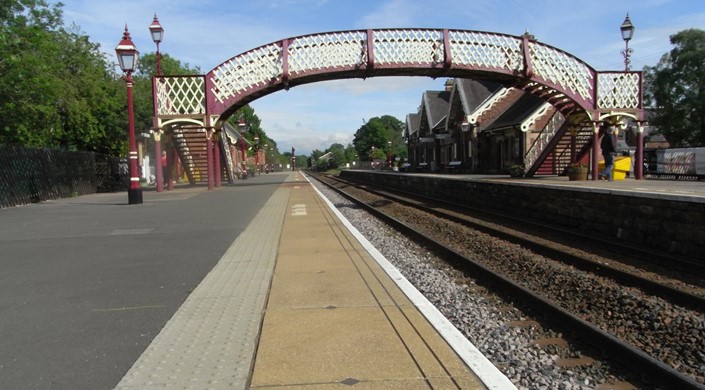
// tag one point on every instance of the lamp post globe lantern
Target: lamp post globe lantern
(627, 29)
(127, 53)
(157, 32)
(127, 57)
(465, 124)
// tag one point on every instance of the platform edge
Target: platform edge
(490, 375)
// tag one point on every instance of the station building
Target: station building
(480, 126)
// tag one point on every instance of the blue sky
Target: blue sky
(207, 32)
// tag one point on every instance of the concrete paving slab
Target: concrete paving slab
(300, 346)
(319, 289)
(334, 316)
(303, 262)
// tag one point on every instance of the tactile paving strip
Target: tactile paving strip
(210, 342)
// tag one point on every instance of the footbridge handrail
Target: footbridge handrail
(414, 52)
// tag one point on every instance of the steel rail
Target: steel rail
(663, 259)
(673, 295)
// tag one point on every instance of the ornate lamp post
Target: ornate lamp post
(371, 155)
(389, 155)
(127, 56)
(157, 32)
(271, 155)
(627, 29)
(257, 154)
(242, 126)
(293, 159)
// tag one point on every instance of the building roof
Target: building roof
(233, 135)
(435, 107)
(326, 156)
(473, 93)
(517, 112)
(413, 122)
(467, 96)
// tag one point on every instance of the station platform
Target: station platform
(301, 300)
(678, 190)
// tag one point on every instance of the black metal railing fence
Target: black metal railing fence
(35, 175)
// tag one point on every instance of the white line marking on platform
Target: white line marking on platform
(128, 232)
(298, 209)
(490, 375)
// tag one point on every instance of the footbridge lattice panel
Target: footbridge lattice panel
(414, 52)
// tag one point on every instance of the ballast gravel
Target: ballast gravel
(502, 333)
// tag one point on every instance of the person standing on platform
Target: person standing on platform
(609, 150)
(165, 175)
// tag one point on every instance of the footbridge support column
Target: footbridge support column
(595, 149)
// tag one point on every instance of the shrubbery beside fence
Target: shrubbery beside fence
(35, 175)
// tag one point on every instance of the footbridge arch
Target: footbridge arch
(581, 93)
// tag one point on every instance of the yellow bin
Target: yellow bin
(621, 167)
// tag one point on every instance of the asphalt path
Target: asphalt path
(86, 283)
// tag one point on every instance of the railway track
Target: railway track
(672, 289)
(442, 228)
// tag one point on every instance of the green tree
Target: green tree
(56, 88)
(254, 129)
(147, 66)
(337, 152)
(351, 154)
(316, 154)
(29, 83)
(273, 155)
(377, 132)
(376, 153)
(676, 88)
(301, 162)
(91, 100)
